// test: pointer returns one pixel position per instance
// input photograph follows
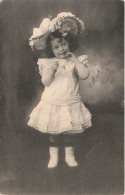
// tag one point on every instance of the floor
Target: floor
(99, 152)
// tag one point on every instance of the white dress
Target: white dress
(60, 109)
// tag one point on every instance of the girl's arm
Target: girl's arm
(47, 77)
(82, 70)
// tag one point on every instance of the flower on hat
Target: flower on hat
(36, 33)
(44, 26)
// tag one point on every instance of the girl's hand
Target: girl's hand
(55, 66)
(71, 56)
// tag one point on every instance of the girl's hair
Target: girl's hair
(73, 42)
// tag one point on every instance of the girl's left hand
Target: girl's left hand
(71, 56)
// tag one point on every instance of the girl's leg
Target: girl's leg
(54, 140)
(69, 139)
(69, 150)
(53, 150)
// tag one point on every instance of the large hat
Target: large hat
(65, 22)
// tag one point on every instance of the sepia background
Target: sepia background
(99, 150)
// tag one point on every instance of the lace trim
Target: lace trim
(67, 129)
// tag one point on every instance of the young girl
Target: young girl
(60, 111)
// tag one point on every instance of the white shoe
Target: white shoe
(69, 157)
(53, 157)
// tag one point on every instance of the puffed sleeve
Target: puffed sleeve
(83, 59)
(44, 66)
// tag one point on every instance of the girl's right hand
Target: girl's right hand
(55, 66)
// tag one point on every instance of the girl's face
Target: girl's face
(60, 48)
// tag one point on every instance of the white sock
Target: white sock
(53, 157)
(69, 157)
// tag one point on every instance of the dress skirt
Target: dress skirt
(56, 119)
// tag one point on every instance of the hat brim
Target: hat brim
(40, 42)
